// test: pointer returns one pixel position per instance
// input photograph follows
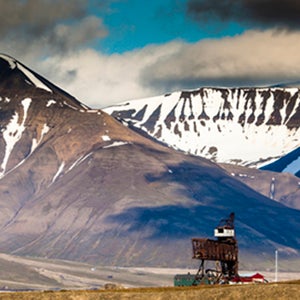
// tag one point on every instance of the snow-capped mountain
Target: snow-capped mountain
(26, 100)
(243, 126)
(77, 184)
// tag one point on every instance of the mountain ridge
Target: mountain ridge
(78, 185)
(210, 122)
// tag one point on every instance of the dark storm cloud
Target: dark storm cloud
(36, 16)
(64, 37)
(269, 13)
(47, 26)
(255, 58)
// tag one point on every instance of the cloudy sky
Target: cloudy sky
(108, 51)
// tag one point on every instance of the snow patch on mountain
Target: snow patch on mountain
(94, 111)
(36, 142)
(59, 171)
(6, 99)
(73, 107)
(79, 160)
(13, 133)
(32, 79)
(106, 138)
(243, 175)
(10, 60)
(50, 102)
(116, 144)
(36, 82)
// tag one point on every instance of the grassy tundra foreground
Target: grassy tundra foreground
(284, 290)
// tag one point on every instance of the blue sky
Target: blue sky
(135, 24)
(109, 51)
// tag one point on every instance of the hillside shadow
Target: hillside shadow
(213, 196)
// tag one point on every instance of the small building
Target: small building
(190, 280)
(255, 278)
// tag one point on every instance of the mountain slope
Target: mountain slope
(282, 187)
(244, 126)
(77, 184)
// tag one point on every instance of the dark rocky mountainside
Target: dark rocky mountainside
(76, 184)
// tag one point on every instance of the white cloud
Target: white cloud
(99, 80)
(253, 58)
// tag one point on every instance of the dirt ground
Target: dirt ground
(277, 291)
